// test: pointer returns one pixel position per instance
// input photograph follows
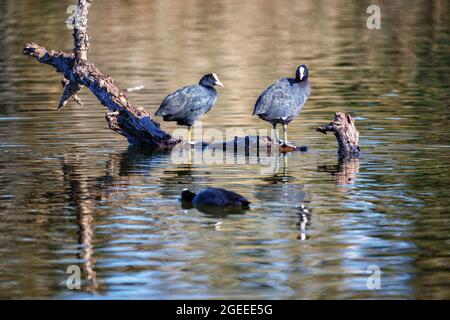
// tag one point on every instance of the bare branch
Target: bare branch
(80, 35)
(58, 59)
(70, 91)
(131, 121)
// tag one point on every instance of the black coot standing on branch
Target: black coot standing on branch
(283, 100)
(188, 104)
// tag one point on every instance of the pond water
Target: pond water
(72, 193)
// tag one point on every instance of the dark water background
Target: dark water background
(71, 193)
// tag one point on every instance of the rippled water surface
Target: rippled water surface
(72, 193)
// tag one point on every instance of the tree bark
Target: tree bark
(344, 129)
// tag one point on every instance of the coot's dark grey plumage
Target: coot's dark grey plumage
(283, 100)
(215, 197)
(188, 104)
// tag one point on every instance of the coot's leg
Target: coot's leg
(285, 133)
(275, 131)
(285, 164)
(190, 135)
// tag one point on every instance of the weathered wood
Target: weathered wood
(129, 120)
(344, 129)
(70, 91)
(80, 35)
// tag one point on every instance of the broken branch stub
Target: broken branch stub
(344, 129)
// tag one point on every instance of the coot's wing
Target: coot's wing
(301, 94)
(275, 97)
(220, 197)
(233, 199)
(202, 103)
(177, 100)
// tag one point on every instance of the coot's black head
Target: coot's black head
(302, 73)
(187, 196)
(210, 80)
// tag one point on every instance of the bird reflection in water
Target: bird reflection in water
(213, 210)
(304, 222)
(280, 170)
(282, 190)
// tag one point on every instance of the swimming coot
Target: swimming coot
(188, 104)
(215, 197)
(283, 100)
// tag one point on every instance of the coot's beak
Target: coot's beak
(218, 83)
(302, 72)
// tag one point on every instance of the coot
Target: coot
(215, 197)
(283, 100)
(188, 104)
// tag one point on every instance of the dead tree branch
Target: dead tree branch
(129, 120)
(344, 129)
(70, 91)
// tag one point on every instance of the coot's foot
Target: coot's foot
(188, 144)
(287, 147)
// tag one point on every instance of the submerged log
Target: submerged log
(344, 129)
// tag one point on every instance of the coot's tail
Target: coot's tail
(245, 204)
